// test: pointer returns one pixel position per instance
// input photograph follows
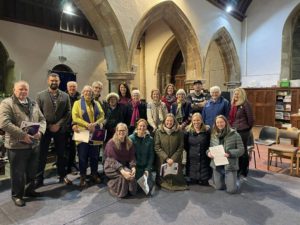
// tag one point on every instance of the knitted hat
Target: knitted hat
(112, 94)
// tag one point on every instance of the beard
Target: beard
(54, 86)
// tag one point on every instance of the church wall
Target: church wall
(156, 37)
(206, 19)
(35, 51)
(262, 41)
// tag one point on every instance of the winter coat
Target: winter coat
(244, 117)
(144, 153)
(185, 110)
(196, 145)
(12, 113)
(233, 145)
(212, 109)
(169, 146)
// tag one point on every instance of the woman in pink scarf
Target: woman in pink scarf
(137, 109)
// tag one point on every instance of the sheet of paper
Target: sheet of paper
(165, 169)
(218, 153)
(82, 136)
(142, 181)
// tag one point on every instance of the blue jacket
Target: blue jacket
(212, 109)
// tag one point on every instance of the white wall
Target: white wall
(156, 37)
(36, 50)
(262, 41)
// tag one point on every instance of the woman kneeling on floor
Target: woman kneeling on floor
(120, 163)
(225, 177)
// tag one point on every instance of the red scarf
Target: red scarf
(232, 114)
(135, 114)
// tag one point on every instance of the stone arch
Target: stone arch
(6, 71)
(165, 61)
(182, 29)
(109, 31)
(228, 53)
(287, 42)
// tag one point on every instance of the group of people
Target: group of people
(173, 128)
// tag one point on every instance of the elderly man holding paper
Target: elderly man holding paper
(88, 117)
(24, 124)
(229, 142)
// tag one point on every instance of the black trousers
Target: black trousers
(60, 145)
(70, 152)
(23, 167)
(244, 159)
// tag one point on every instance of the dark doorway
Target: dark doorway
(65, 73)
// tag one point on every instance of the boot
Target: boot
(82, 183)
(96, 179)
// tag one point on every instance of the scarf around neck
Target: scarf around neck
(135, 114)
(85, 114)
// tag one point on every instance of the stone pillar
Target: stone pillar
(115, 79)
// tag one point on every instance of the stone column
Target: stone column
(115, 79)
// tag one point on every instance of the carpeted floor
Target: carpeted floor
(265, 198)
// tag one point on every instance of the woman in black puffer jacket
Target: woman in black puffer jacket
(196, 143)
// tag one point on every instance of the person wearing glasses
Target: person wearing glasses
(120, 163)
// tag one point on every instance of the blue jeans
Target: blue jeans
(88, 154)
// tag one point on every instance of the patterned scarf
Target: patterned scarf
(135, 114)
(179, 115)
(85, 114)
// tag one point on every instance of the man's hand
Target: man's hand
(54, 128)
(37, 136)
(27, 139)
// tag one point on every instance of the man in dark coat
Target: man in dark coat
(74, 95)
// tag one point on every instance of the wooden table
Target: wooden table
(297, 163)
(283, 151)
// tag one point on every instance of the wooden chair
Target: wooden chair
(287, 151)
(251, 149)
(297, 162)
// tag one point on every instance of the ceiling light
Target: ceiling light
(229, 8)
(68, 9)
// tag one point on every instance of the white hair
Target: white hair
(180, 91)
(136, 92)
(86, 87)
(72, 83)
(215, 89)
(97, 83)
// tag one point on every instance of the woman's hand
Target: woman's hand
(126, 174)
(133, 171)
(210, 155)
(170, 162)
(91, 127)
(75, 128)
(226, 155)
